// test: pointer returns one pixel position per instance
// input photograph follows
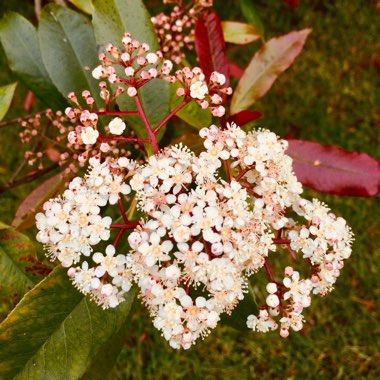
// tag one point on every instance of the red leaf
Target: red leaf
(332, 170)
(210, 45)
(29, 101)
(243, 117)
(292, 3)
(24, 217)
(235, 70)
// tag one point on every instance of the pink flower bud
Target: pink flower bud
(132, 91)
(129, 71)
(104, 147)
(289, 271)
(284, 332)
(180, 91)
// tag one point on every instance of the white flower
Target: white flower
(151, 58)
(98, 72)
(198, 90)
(117, 126)
(89, 135)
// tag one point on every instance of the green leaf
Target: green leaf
(16, 253)
(84, 5)
(247, 306)
(239, 32)
(68, 50)
(252, 16)
(6, 96)
(20, 42)
(192, 114)
(193, 141)
(56, 333)
(111, 19)
(273, 58)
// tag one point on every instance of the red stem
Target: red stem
(126, 226)
(281, 241)
(170, 115)
(241, 174)
(123, 214)
(152, 136)
(126, 139)
(111, 113)
(228, 171)
(119, 235)
(269, 270)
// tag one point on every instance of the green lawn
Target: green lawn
(329, 96)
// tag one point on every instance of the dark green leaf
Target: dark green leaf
(84, 5)
(56, 333)
(111, 19)
(68, 50)
(20, 42)
(6, 96)
(238, 318)
(16, 253)
(252, 16)
(191, 113)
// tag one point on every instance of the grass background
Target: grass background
(330, 96)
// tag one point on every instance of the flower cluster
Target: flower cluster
(176, 31)
(208, 95)
(201, 233)
(71, 225)
(210, 221)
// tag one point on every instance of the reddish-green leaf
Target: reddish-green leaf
(235, 70)
(192, 140)
(210, 45)
(16, 255)
(239, 32)
(24, 217)
(267, 64)
(330, 169)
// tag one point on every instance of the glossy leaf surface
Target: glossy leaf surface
(20, 42)
(267, 64)
(239, 33)
(56, 333)
(330, 169)
(68, 50)
(210, 45)
(6, 96)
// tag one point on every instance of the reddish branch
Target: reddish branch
(171, 114)
(269, 270)
(152, 136)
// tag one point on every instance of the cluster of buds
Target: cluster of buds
(45, 135)
(138, 63)
(208, 95)
(176, 31)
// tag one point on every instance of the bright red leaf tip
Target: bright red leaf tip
(235, 70)
(210, 45)
(244, 117)
(332, 170)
